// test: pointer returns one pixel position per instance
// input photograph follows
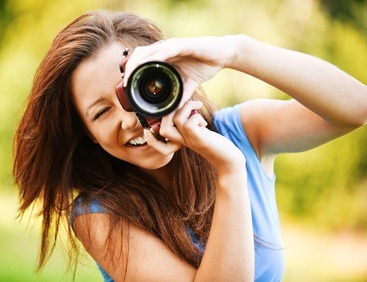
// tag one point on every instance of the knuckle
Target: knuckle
(187, 125)
(138, 48)
(177, 120)
(163, 131)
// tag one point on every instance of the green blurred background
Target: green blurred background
(322, 193)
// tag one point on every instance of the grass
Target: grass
(310, 255)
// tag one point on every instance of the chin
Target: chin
(156, 163)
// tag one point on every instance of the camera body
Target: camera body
(153, 90)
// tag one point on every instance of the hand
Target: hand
(197, 59)
(184, 129)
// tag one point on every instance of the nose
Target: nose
(128, 120)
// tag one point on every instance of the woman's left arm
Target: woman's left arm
(327, 102)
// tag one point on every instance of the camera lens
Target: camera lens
(154, 89)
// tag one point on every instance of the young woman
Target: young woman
(198, 206)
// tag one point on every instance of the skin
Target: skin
(112, 130)
(94, 83)
(326, 104)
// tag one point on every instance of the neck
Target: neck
(162, 175)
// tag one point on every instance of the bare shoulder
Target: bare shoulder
(145, 257)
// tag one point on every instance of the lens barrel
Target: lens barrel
(154, 89)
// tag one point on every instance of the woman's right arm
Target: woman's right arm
(229, 252)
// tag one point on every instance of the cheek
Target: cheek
(105, 136)
(113, 149)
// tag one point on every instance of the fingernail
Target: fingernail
(146, 134)
(199, 103)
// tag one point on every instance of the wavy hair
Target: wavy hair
(55, 160)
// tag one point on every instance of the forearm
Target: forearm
(229, 253)
(320, 86)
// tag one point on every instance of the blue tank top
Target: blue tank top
(269, 253)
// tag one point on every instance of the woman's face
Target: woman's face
(117, 131)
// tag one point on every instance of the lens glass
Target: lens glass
(154, 89)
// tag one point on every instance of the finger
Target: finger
(169, 130)
(197, 120)
(168, 127)
(192, 130)
(169, 50)
(164, 50)
(138, 57)
(188, 90)
(185, 112)
(165, 148)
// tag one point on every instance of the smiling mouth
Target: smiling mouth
(137, 141)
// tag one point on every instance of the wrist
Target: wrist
(232, 187)
(233, 175)
(241, 50)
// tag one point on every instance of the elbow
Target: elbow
(359, 115)
(361, 112)
(356, 123)
(359, 120)
(363, 120)
(355, 107)
(348, 126)
(351, 120)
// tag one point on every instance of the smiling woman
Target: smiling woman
(106, 122)
(199, 205)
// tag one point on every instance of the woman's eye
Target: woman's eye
(100, 113)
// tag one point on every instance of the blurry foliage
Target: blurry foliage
(325, 186)
(351, 11)
(6, 16)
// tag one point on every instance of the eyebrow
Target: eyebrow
(98, 101)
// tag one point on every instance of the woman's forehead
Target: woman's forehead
(97, 75)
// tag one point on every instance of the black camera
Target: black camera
(153, 90)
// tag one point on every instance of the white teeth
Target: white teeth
(137, 141)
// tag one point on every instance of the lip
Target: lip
(127, 144)
(138, 147)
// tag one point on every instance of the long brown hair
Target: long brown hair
(55, 159)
